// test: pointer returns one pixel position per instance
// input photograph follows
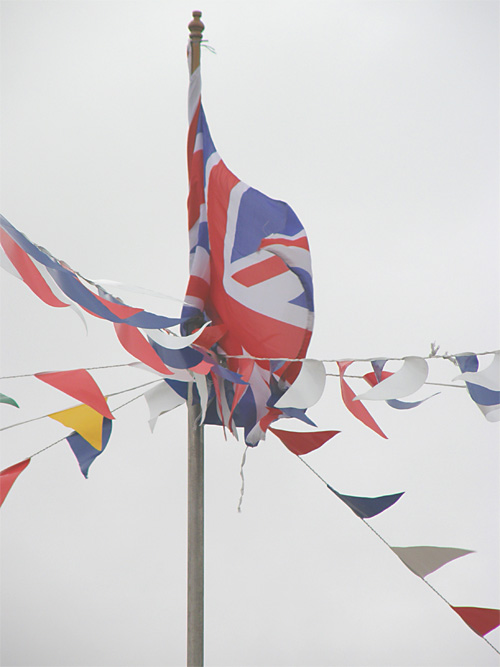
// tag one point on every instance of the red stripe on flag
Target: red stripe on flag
(196, 195)
(210, 335)
(78, 384)
(9, 476)
(197, 287)
(28, 271)
(258, 273)
(295, 243)
(192, 132)
(480, 619)
(303, 442)
(121, 310)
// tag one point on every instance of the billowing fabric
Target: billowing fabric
(250, 271)
(57, 285)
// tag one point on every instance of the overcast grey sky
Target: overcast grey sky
(378, 123)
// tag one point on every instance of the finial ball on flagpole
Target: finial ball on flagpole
(196, 27)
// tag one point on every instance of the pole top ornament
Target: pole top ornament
(196, 27)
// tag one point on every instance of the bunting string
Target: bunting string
(449, 357)
(116, 393)
(65, 437)
(389, 546)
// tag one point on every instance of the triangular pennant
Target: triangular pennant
(78, 384)
(374, 378)
(424, 560)
(468, 363)
(480, 619)
(84, 451)
(489, 378)
(307, 388)
(8, 400)
(9, 476)
(407, 380)
(85, 421)
(302, 443)
(365, 508)
(161, 399)
(356, 407)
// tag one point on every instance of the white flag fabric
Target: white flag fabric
(308, 387)
(488, 378)
(424, 560)
(161, 399)
(410, 377)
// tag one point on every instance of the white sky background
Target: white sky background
(378, 123)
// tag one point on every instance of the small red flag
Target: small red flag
(9, 476)
(303, 442)
(356, 407)
(481, 620)
(78, 384)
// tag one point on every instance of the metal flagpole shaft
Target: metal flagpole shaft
(195, 536)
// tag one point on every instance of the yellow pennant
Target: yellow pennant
(85, 421)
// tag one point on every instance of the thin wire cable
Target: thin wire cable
(116, 393)
(434, 384)
(388, 545)
(65, 437)
(325, 361)
(89, 368)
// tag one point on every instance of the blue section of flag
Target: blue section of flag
(187, 357)
(480, 395)
(84, 452)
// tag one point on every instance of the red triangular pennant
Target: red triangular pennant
(303, 442)
(356, 407)
(78, 384)
(9, 476)
(481, 620)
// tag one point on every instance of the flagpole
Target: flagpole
(195, 532)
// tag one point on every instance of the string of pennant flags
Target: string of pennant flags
(178, 360)
(92, 424)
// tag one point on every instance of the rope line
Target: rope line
(434, 384)
(388, 545)
(449, 357)
(116, 393)
(65, 437)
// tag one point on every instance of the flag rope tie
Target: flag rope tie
(388, 545)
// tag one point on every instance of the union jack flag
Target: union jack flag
(250, 274)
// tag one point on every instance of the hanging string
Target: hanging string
(116, 393)
(242, 490)
(388, 545)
